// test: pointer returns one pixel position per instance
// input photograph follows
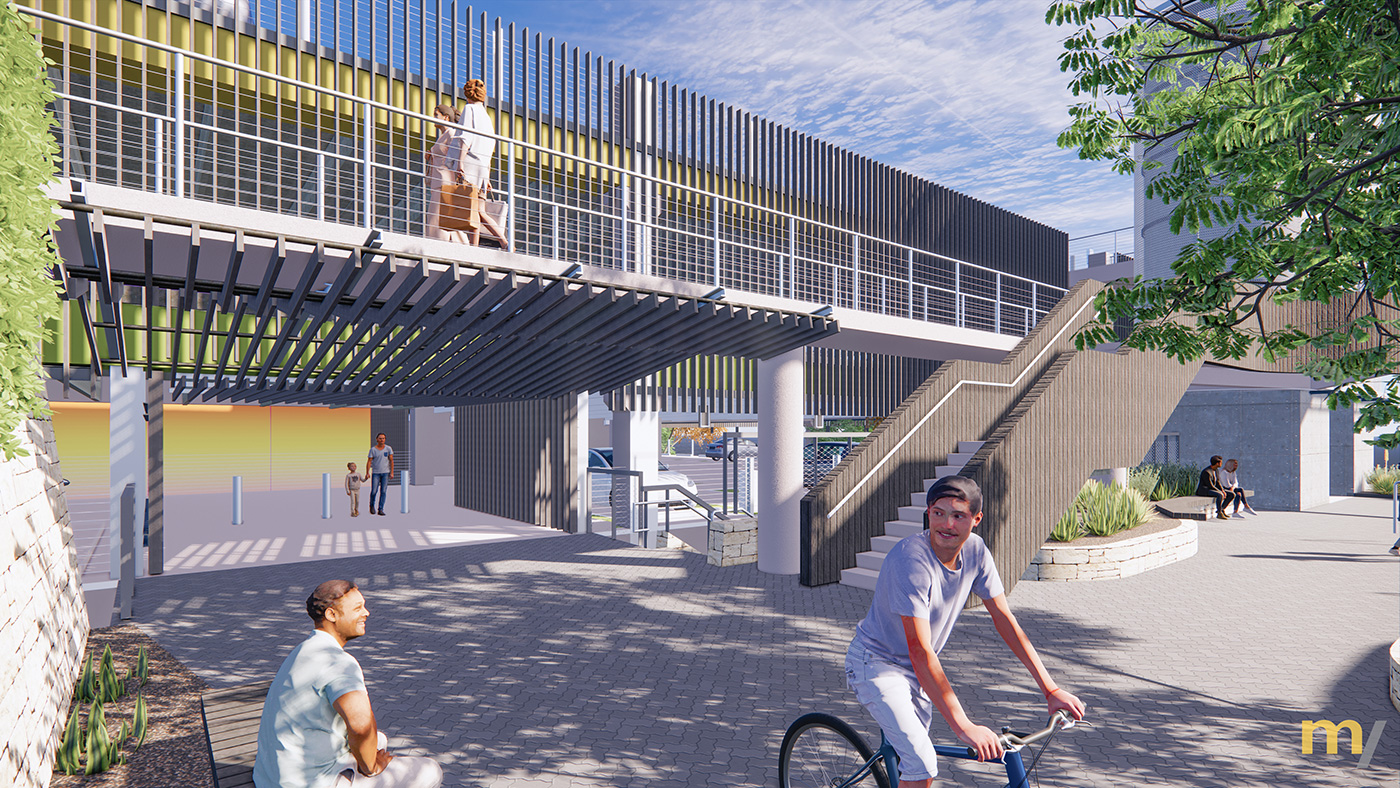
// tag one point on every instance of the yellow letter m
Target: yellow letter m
(1310, 730)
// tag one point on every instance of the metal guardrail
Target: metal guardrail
(560, 205)
(629, 509)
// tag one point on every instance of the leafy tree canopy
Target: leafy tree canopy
(1282, 115)
(28, 296)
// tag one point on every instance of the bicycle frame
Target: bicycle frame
(1016, 776)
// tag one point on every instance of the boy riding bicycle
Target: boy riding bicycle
(892, 664)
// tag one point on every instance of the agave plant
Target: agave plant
(111, 687)
(70, 751)
(87, 683)
(143, 666)
(99, 744)
(139, 724)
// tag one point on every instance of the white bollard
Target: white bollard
(238, 500)
(325, 496)
(403, 492)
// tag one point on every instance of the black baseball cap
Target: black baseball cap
(959, 487)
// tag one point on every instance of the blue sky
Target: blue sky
(966, 93)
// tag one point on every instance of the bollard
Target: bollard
(238, 500)
(127, 581)
(403, 492)
(325, 496)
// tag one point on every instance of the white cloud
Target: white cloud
(968, 94)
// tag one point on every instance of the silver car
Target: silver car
(603, 458)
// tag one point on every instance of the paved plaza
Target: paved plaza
(576, 661)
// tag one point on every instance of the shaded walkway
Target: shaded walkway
(576, 661)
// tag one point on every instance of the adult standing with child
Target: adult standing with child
(381, 467)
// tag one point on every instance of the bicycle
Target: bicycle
(821, 751)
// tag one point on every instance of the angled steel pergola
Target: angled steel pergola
(234, 314)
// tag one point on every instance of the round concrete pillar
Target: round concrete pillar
(780, 401)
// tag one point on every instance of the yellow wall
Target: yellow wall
(276, 448)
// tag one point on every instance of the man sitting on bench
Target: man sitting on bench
(1209, 486)
(317, 728)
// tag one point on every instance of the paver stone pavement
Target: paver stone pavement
(577, 661)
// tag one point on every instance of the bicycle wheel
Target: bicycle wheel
(821, 751)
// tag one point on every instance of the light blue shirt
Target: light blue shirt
(914, 583)
(302, 739)
(379, 458)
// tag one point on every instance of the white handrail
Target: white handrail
(890, 454)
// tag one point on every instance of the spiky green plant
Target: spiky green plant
(1144, 478)
(143, 666)
(87, 683)
(139, 725)
(1068, 528)
(1382, 479)
(70, 750)
(99, 744)
(110, 686)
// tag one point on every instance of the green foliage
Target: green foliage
(1158, 481)
(1102, 510)
(109, 687)
(143, 666)
(27, 291)
(87, 683)
(1382, 480)
(70, 751)
(140, 723)
(1282, 118)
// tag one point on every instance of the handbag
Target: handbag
(461, 207)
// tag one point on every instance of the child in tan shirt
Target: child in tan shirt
(352, 488)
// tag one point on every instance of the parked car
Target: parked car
(603, 458)
(748, 447)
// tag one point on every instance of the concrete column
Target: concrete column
(1119, 476)
(155, 469)
(636, 436)
(578, 517)
(127, 432)
(780, 404)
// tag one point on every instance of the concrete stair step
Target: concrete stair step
(859, 577)
(883, 544)
(969, 447)
(872, 560)
(912, 514)
(901, 528)
(947, 470)
(960, 458)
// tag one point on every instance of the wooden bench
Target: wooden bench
(231, 719)
(1191, 507)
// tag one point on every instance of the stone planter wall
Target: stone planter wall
(43, 618)
(1108, 561)
(733, 541)
(1395, 674)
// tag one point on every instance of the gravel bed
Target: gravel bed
(176, 751)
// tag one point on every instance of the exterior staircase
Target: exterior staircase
(910, 522)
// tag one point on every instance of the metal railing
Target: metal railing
(174, 130)
(627, 502)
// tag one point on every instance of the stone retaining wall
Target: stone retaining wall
(1131, 556)
(733, 541)
(43, 619)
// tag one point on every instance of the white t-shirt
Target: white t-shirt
(1228, 480)
(302, 739)
(913, 582)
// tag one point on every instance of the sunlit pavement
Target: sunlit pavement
(576, 661)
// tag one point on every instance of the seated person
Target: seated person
(317, 728)
(1209, 486)
(1230, 483)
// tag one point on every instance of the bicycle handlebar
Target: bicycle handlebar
(1058, 721)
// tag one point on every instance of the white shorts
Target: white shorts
(893, 696)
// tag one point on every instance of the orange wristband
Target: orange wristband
(1052, 692)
